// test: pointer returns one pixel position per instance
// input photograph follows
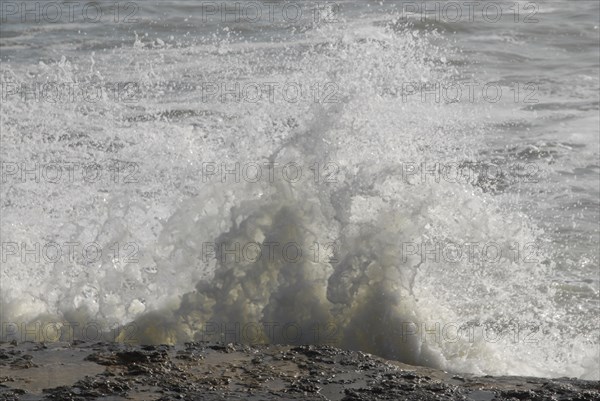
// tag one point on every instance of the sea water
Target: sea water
(417, 180)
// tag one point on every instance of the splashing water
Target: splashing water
(347, 254)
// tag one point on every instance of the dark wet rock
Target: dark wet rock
(16, 358)
(209, 371)
(90, 388)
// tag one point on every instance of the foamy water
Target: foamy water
(297, 181)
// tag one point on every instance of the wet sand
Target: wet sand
(210, 371)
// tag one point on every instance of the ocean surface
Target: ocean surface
(417, 180)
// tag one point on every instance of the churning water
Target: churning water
(391, 177)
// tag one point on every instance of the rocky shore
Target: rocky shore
(210, 371)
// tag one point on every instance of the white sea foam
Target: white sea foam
(359, 283)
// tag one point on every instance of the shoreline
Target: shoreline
(215, 371)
